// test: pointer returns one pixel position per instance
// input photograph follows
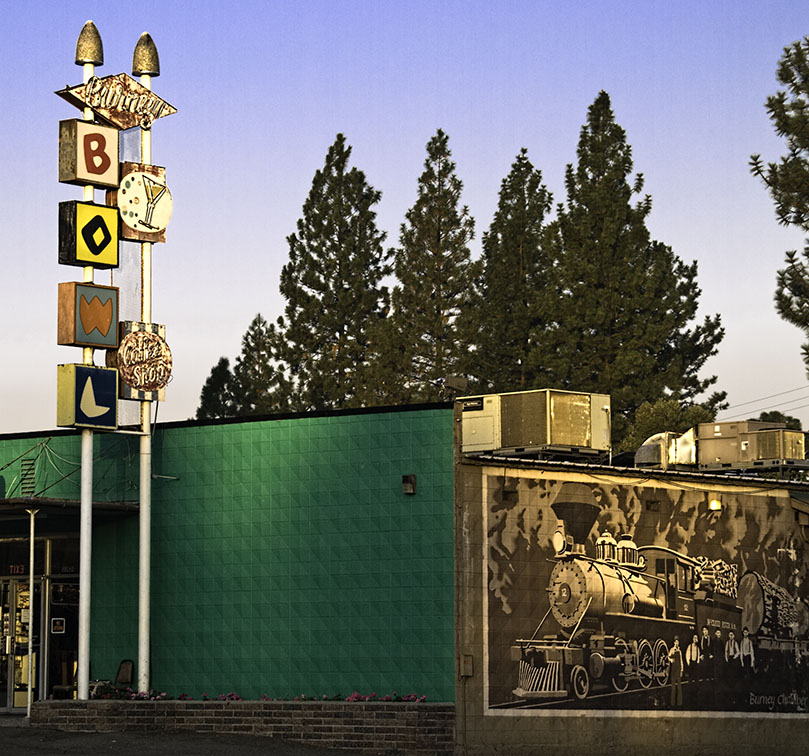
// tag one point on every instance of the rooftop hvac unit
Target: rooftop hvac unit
(731, 429)
(751, 447)
(668, 450)
(535, 420)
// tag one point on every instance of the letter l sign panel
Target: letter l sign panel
(87, 397)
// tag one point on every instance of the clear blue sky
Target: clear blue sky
(263, 87)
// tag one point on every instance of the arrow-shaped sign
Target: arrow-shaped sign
(118, 100)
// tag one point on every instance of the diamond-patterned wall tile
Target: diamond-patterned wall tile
(288, 545)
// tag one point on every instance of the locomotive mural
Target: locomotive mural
(607, 594)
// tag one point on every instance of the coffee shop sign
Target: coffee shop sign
(119, 101)
(144, 361)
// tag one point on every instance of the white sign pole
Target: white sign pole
(89, 52)
(31, 615)
(145, 64)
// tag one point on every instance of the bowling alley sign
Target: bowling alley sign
(137, 208)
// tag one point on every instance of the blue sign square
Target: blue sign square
(96, 397)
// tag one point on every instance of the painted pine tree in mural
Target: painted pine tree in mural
(333, 290)
(625, 304)
(511, 293)
(425, 339)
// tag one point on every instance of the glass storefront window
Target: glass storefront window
(14, 558)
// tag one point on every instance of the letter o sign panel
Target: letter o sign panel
(88, 234)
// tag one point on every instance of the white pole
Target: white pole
(85, 555)
(33, 513)
(145, 498)
(86, 510)
(144, 553)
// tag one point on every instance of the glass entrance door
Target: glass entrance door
(15, 605)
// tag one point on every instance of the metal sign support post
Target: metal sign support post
(145, 508)
(31, 614)
(86, 509)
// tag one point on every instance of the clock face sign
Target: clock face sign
(144, 202)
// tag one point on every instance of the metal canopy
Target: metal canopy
(56, 516)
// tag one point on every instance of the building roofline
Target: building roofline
(646, 473)
(192, 422)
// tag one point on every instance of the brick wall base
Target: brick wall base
(402, 729)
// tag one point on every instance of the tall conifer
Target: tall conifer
(216, 397)
(788, 181)
(512, 289)
(625, 302)
(435, 272)
(332, 286)
(259, 388)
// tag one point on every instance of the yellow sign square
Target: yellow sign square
(96, 234)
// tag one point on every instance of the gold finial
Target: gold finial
(88, 47)
(145, 61)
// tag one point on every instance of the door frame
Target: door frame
(12, 653)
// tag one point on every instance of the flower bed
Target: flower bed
(109, 692)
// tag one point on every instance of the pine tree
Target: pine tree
(425, 342)
(259, 387)
(663, 415)
(512, 287)
(624, 301)
(788, 181)
(216, 397)
(776, 416)
(332, 286)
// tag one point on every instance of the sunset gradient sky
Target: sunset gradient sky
(262, 88)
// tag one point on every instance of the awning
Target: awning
(55, 516)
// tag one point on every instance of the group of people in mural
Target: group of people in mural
(725, 660)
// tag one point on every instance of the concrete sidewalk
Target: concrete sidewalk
(16, 737)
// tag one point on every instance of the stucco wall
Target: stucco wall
(505, 521)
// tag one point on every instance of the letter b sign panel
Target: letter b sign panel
(88, 234)
(88, 153)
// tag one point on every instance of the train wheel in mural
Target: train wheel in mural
(619, 682)
(661, 662)
(646, 663)
(579, 682)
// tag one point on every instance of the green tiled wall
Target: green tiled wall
(57, 466)
(286, 560)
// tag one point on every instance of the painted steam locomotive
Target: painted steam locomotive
(619, 612)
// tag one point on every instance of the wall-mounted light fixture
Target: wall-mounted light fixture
(408, 484)
(715, 502)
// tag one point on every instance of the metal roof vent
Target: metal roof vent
(27, 477)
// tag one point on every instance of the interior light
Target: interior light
(715, 502)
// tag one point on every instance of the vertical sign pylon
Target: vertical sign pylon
(145, 63)
(138, 208)
(89, 53)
